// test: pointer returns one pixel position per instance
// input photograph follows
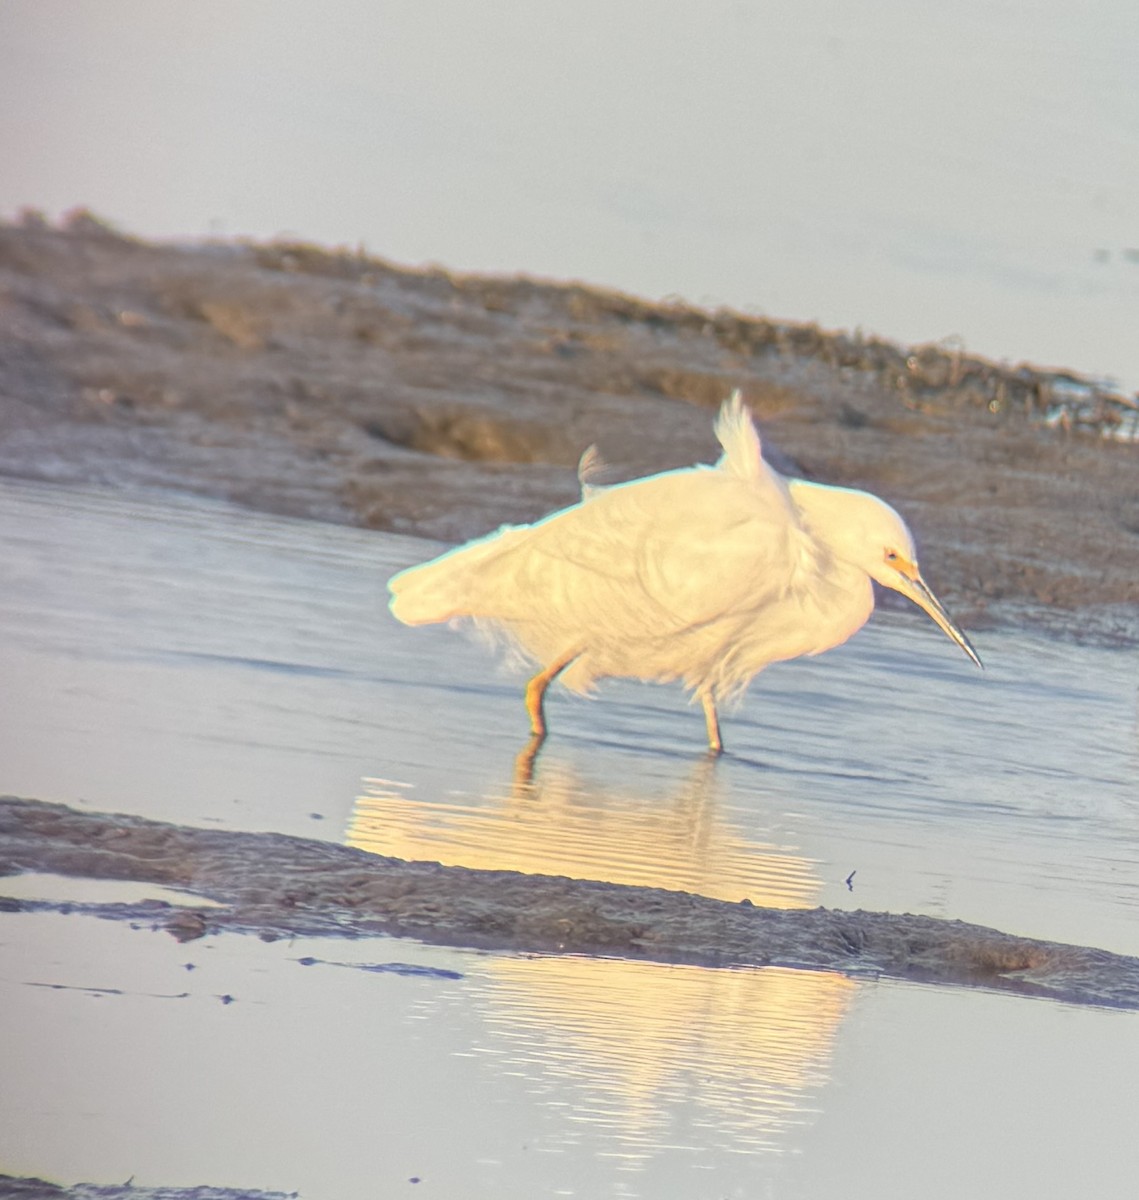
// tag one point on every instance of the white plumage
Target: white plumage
(703, 575)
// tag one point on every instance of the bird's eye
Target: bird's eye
(892, 556)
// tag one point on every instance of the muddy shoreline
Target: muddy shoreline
(330, 385)
(26, 1188)
(273, 885)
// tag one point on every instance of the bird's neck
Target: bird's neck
(829, 516)
(841, 593)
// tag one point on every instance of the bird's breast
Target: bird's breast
(819, 611)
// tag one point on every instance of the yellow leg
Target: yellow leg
(715, 745)
(536, 694)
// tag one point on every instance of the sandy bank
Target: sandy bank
(278, 886)
(329, 385)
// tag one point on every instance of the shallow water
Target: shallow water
(201, 664)
(238, 1062)
(196, 663)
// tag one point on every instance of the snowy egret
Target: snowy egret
(703, 575)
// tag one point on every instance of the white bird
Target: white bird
(704, 575)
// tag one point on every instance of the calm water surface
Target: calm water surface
(191, 662)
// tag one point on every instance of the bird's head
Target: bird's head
(898, 570)
(893, 563)
(867, 532)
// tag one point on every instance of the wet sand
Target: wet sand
(330, 385)
(277, 886)
(25, 1188)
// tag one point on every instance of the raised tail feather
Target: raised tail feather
(736, 432)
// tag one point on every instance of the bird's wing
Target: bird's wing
(660, 555)
(645, 559)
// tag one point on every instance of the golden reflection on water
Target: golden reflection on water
(738, 1052)
(556, 824)
(658, 1052)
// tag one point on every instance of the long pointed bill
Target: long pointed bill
(918, 591)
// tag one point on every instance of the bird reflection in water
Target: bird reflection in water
(740, 1054)
(744, 1050)
(552, 821)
